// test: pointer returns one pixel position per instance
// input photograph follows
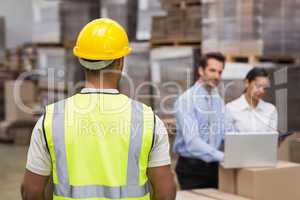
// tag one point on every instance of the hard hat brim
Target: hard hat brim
(80, 54)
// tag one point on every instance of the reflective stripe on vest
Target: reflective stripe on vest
(131, 190)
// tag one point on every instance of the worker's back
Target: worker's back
(100, 143)
(99, 146)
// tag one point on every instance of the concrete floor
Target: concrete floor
(12, 166)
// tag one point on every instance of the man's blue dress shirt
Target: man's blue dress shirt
(201, 123)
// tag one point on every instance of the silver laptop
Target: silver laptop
(244, 149)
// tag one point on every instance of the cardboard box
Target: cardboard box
(27, 90)
(22, 135)
(284, 151)
(295, 150)
(188, 195)
(18, 104)
(193, 23)
(168, 86)
(278, 183)
(227, 180)
(159, 30)
(216, 194)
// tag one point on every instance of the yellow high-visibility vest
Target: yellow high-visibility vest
(99, 146)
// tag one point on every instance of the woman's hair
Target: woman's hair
(256, 72)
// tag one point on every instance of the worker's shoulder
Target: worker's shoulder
(59, 102)
(145, 106)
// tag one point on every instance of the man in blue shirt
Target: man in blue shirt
(201, 124)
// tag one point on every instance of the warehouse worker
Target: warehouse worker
(201, 124)
(249, 112)
(99, 144)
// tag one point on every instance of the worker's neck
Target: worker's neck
(101, 85)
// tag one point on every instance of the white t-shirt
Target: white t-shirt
(39, 161)
(263, 118)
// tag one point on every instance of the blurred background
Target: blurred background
(168, 38)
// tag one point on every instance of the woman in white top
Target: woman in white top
(249, 112)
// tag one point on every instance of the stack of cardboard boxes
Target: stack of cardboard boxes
(19, 98)
(136, 82)
(51, 64)
(146, 10)
(20, 110)
(47, 23)
(74, 74)
(284, 94)
(180, 61)
(72, 22)
(19, 59)
(124, 12)
(60, 72)
(59, 68)
(13, 60)
(207, 194)
(277, 183)
(181, 24)
(3, 78)
(257, 27)
(57, 21)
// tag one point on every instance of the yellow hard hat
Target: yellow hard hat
(102, 39)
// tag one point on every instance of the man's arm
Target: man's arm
(38, 166)
(159, 170)
(33, 186)
(162, 181)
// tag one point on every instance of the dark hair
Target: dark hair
(109, 67)
(212, 55)
(256, 72)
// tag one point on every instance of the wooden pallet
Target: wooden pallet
(69, 44)
(174, 42)
(2, 66)
(64, 44)
(55, 88)
(44, 44)
(182, 3)
(253, 59)
(18, 132)
(187, 3)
